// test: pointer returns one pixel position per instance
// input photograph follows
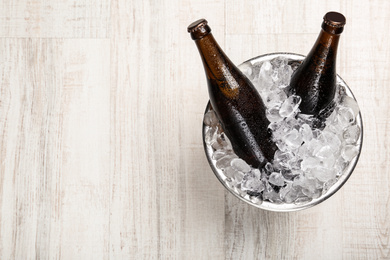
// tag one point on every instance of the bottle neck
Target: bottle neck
(217, 65)
(329, 40)
(324, 52)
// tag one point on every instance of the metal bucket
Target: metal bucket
(285, 207)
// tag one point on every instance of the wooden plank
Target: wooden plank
(54, 149)
(55, 19)
(165, 202)
(366, 227)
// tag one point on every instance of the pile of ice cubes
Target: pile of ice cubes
(309, 160)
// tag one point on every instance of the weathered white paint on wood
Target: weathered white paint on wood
(55, 19)
(55, 141)
(101, 107)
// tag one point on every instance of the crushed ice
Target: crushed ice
(309, 161)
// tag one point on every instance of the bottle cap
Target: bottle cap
(333, 23)
(198, 29)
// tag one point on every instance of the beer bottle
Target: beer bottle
(315, 79)
(235, 100)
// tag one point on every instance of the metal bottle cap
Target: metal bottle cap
(198, 29)
(333, 23)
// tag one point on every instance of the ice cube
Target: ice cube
(340, 165)
(218, 145)
(218, 154)
(311, 188)
(293, 139)
(268, 167)
(282, 159)
(211, 135)
(332, 124)
(285, 77)
(350, 103)
(273, 114)
(328, 161)
(304, 150)
(330, 139)
(266, 68)
(239, 191)
(256, 173)
(275, 98)
(240, 165)
(276, 178)
(272, 196)
(292, 123)
(290, 106)
(210, 119)
(306, 132)
(275, 76)
(256, 200)
(324, 152)
(224, 162)
(222, 143)
(307, 119)
(252, 182)
(317, 133)
(238, 176)
(351, 134)
(345, 117)
(246, 68)
(286, 189)
(278, 129)
(282, 129)
(273, 126)
(278, 62)
(292, 194)
(250, 69)
(323, 174)
(294, 165)
(309, 163)
(229, 172)
(265, 78)
(349, 152)
(313, 146)
(282, 72)
(282, 146)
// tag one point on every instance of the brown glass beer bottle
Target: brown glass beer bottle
(315, 79)
(235, 100)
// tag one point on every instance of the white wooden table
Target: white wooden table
(101, 154)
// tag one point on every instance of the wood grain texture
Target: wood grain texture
(165, 201)
(55, 19)
(55, 148)
(101, 106)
